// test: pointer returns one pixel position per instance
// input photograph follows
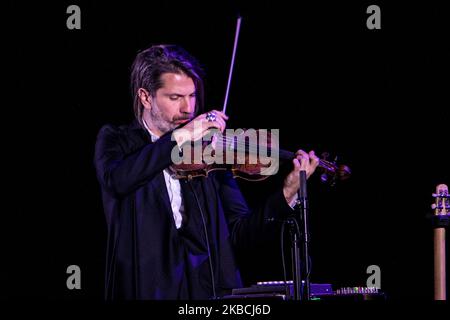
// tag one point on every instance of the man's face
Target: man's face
(173, 104)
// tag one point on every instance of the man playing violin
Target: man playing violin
(170, 238)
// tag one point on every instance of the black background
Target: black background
(377, 98)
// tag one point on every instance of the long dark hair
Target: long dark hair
(152, 62)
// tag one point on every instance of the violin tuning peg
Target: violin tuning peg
(325, 155)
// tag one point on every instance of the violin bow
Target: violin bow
(236, 37)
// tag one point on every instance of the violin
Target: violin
(246, 159)
(253, 161)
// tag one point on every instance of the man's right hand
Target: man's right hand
(200, 126)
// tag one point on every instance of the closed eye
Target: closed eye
(174, 97)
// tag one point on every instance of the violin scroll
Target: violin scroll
(331, 172)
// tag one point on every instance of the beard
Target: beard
(158, 120)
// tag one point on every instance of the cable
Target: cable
(283, 259)
(211, 270)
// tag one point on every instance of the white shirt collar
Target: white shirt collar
(153, 136)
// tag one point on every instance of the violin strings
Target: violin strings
(244, 145)
(231, 140)
(322, 163)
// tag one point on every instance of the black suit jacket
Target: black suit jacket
(147, 256)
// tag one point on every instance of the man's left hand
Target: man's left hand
(302, 161)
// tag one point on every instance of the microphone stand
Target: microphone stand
(301, 235)
(296, 262)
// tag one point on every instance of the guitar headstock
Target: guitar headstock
(442, 200)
